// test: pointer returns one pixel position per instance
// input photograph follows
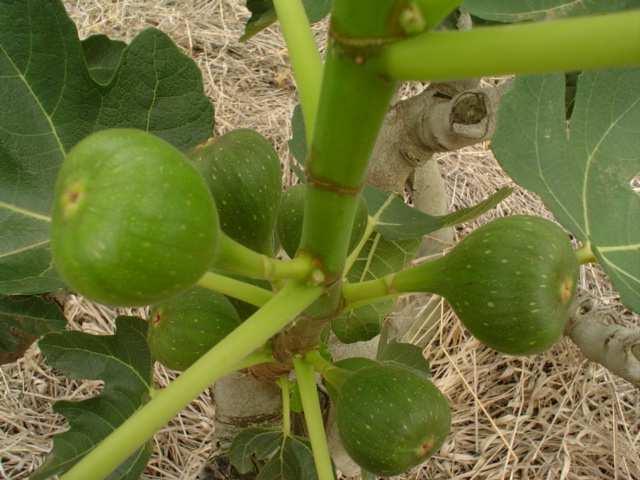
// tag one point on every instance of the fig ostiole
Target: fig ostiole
(133, 222)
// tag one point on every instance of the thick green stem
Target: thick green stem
(593, 42)
(585, 255)
(233, 257)
(222, 359)
(235, 288)
(353, 103)
(303, 55)
(305, 375)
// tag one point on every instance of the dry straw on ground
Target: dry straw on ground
(552, 416)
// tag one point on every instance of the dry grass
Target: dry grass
(553, 416)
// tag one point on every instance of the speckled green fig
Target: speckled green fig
(511, 282)
(133, 222)
(391, 419)
(185, 327)
(243, 173)
(291, 216)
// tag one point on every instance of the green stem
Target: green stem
(426, 277)
(313, 418)
(333, 375)
(592, 42)
(217, 362)
(233, 257)
(372, 221)
(284, 384)
(319, 363)
(235, 288)
(353, 104)
(303, 55)
(353, 256)
(585, 255)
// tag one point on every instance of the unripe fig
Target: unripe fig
(390, 418)
(291, 216)
(185, 327)
(242, 171)
(511, 282)
(133, 222)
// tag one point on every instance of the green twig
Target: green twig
(426, 277)
(592, 42)
(303, 55)
(235, 288)
(233, 257)
(313, 418)
(353, 256)
(222, 359)
(284, 384)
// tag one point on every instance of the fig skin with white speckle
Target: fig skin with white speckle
(242, 171)
(185, 327)
(133, 222)
(291, 216)
(511, 283)
(391, 419)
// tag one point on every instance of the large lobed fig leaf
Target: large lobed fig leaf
(581, 167)
(23, 320)
(510, 11)
(122, 361)
(51, 98)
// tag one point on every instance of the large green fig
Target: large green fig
(185, 327)
(133, 222)
(390, 418)
(243, 173)
(291, 216)
(511, 282)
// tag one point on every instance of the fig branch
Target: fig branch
(592, 42)
(247, 338)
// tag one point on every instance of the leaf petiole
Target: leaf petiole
(303, 55)
(305, 375)
(285, 384)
